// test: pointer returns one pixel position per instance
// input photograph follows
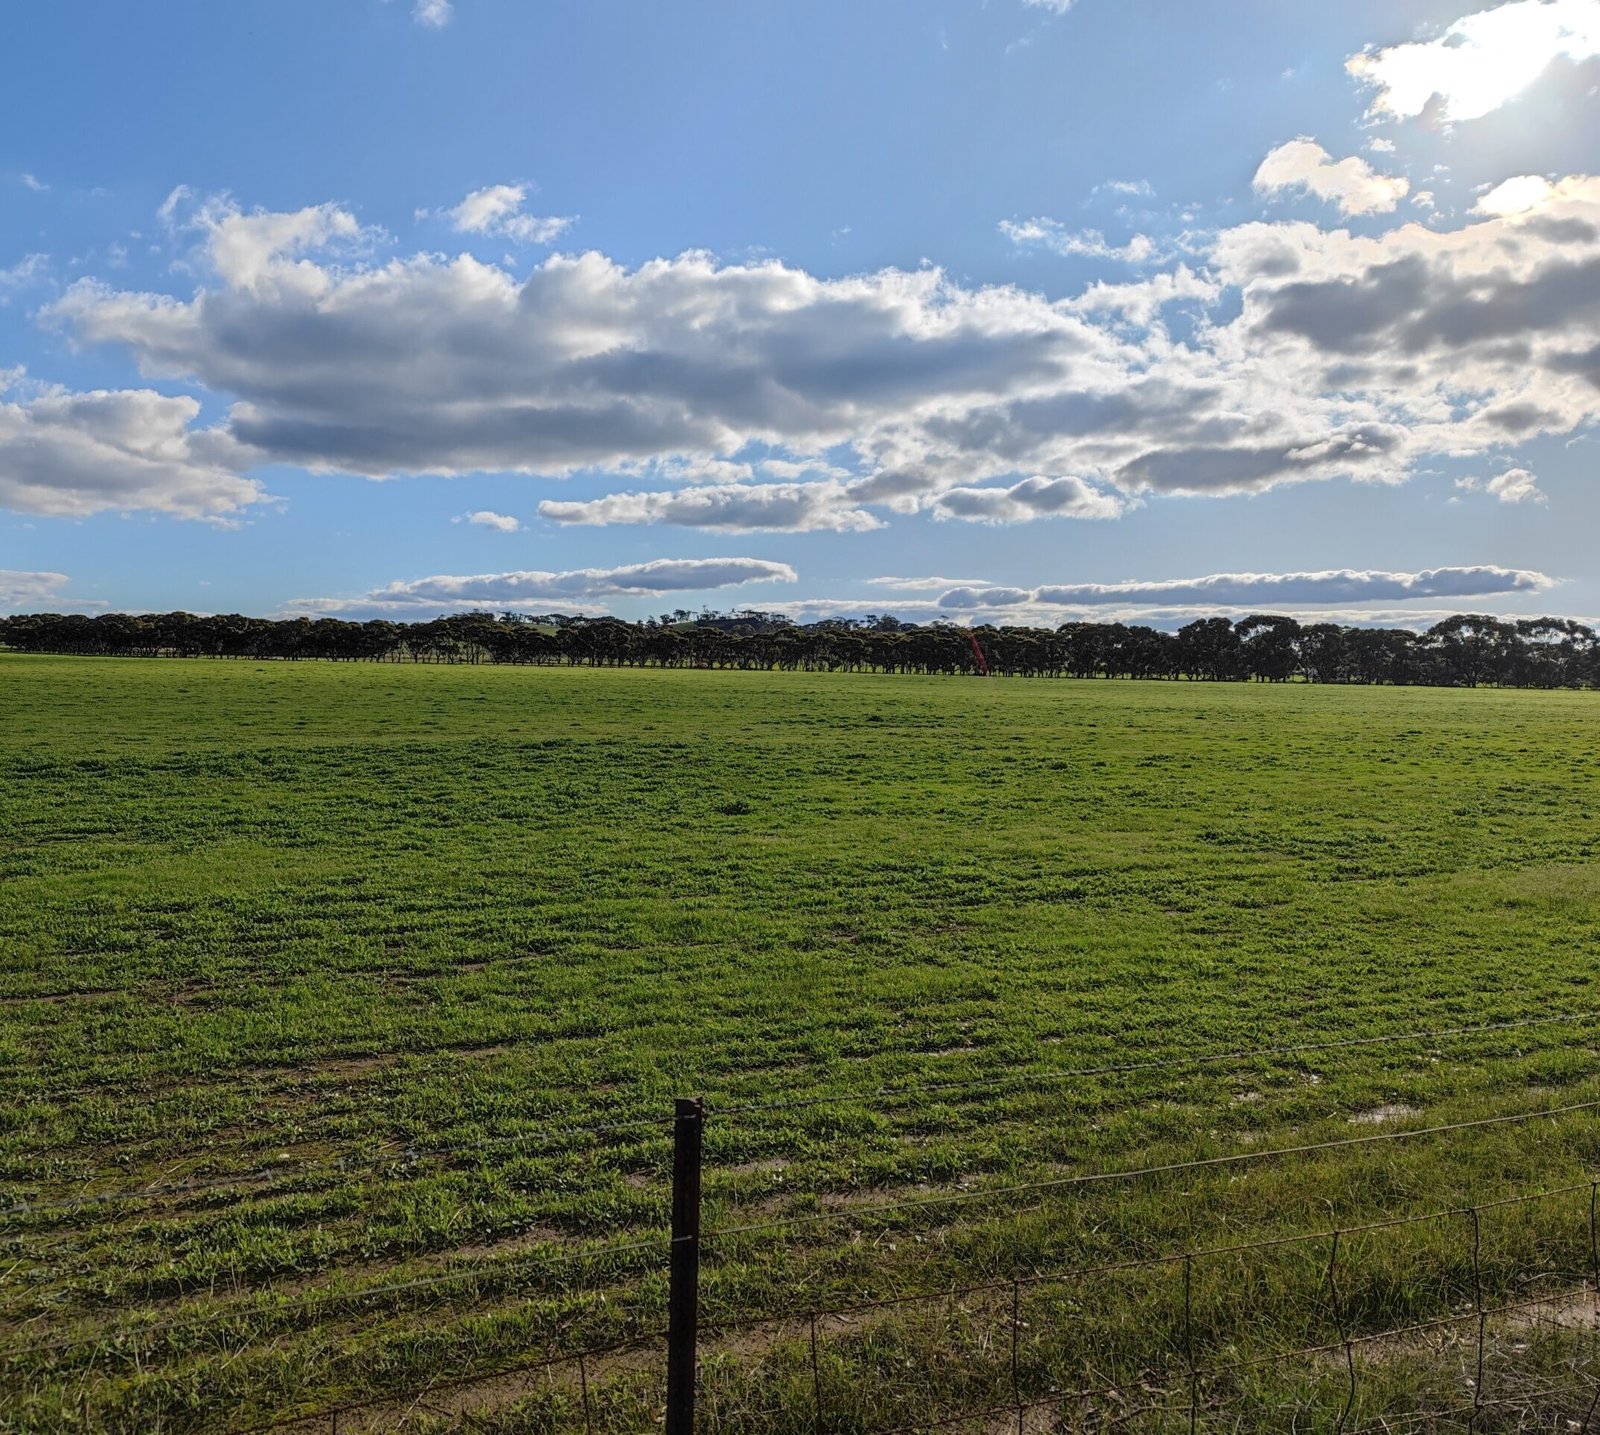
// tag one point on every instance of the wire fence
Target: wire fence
(833, 1344)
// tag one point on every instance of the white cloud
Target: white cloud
(1481, 61)
(701, 469)
(37, 185)
(1264, 591)
(924, 585)
(1140, 187)
(433, 13)
(30, 592)
(25, 273)
(1017, 610)
(536, 590)
(486, 518)
(1088, 243)
(71, 455)
(262, 249)
(825, 506)
(1059, 7)
(1350, 183)
(497, 210)
(1379, 145)
(1037, 497)
(1319, 354)
(1517, 195)
(248, 249)
(1142, 301)
(1515, 485)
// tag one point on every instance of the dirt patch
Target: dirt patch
(761, 1166)
(1568, 1310)
(1040, 1420)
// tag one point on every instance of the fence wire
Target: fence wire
(1192, 1375)
(1088, 1178)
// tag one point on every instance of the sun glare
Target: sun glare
(1481, 61)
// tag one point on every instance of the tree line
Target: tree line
(1467, 650)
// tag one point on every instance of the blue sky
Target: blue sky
(1040, 310)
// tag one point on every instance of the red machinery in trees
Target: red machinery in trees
(977, 652)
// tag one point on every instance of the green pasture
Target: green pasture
(384, 938)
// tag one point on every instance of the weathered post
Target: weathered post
(683, 1291)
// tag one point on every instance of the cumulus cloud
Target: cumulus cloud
(535, 589)
(1481, 61)
(497, 211)
(1515, 485)
(25, 592)
(433, 13)
(72, 455)
(1351, 183)
(1141, 301)
(1319, 354)
(796, 507)
(1051, 234)
(249, 251)
(1264, 590)
(1517, 195)
(487, 518)
(1037, 497)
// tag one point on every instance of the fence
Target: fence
(1186, 1387)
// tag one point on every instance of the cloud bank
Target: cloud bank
(1322, 355)
(534, 589)
(793, 507)
(1264, 590)
(25, 592)
(72, 455)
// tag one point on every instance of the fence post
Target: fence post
(683, 1291)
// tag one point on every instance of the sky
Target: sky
(990, 310)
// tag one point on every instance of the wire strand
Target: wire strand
(1132, 1263)
(377, 1402)
(1168, 1168)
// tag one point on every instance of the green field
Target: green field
(306, 918)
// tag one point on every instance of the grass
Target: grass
(300, 919)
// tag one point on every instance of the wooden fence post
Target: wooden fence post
(683, 1292)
